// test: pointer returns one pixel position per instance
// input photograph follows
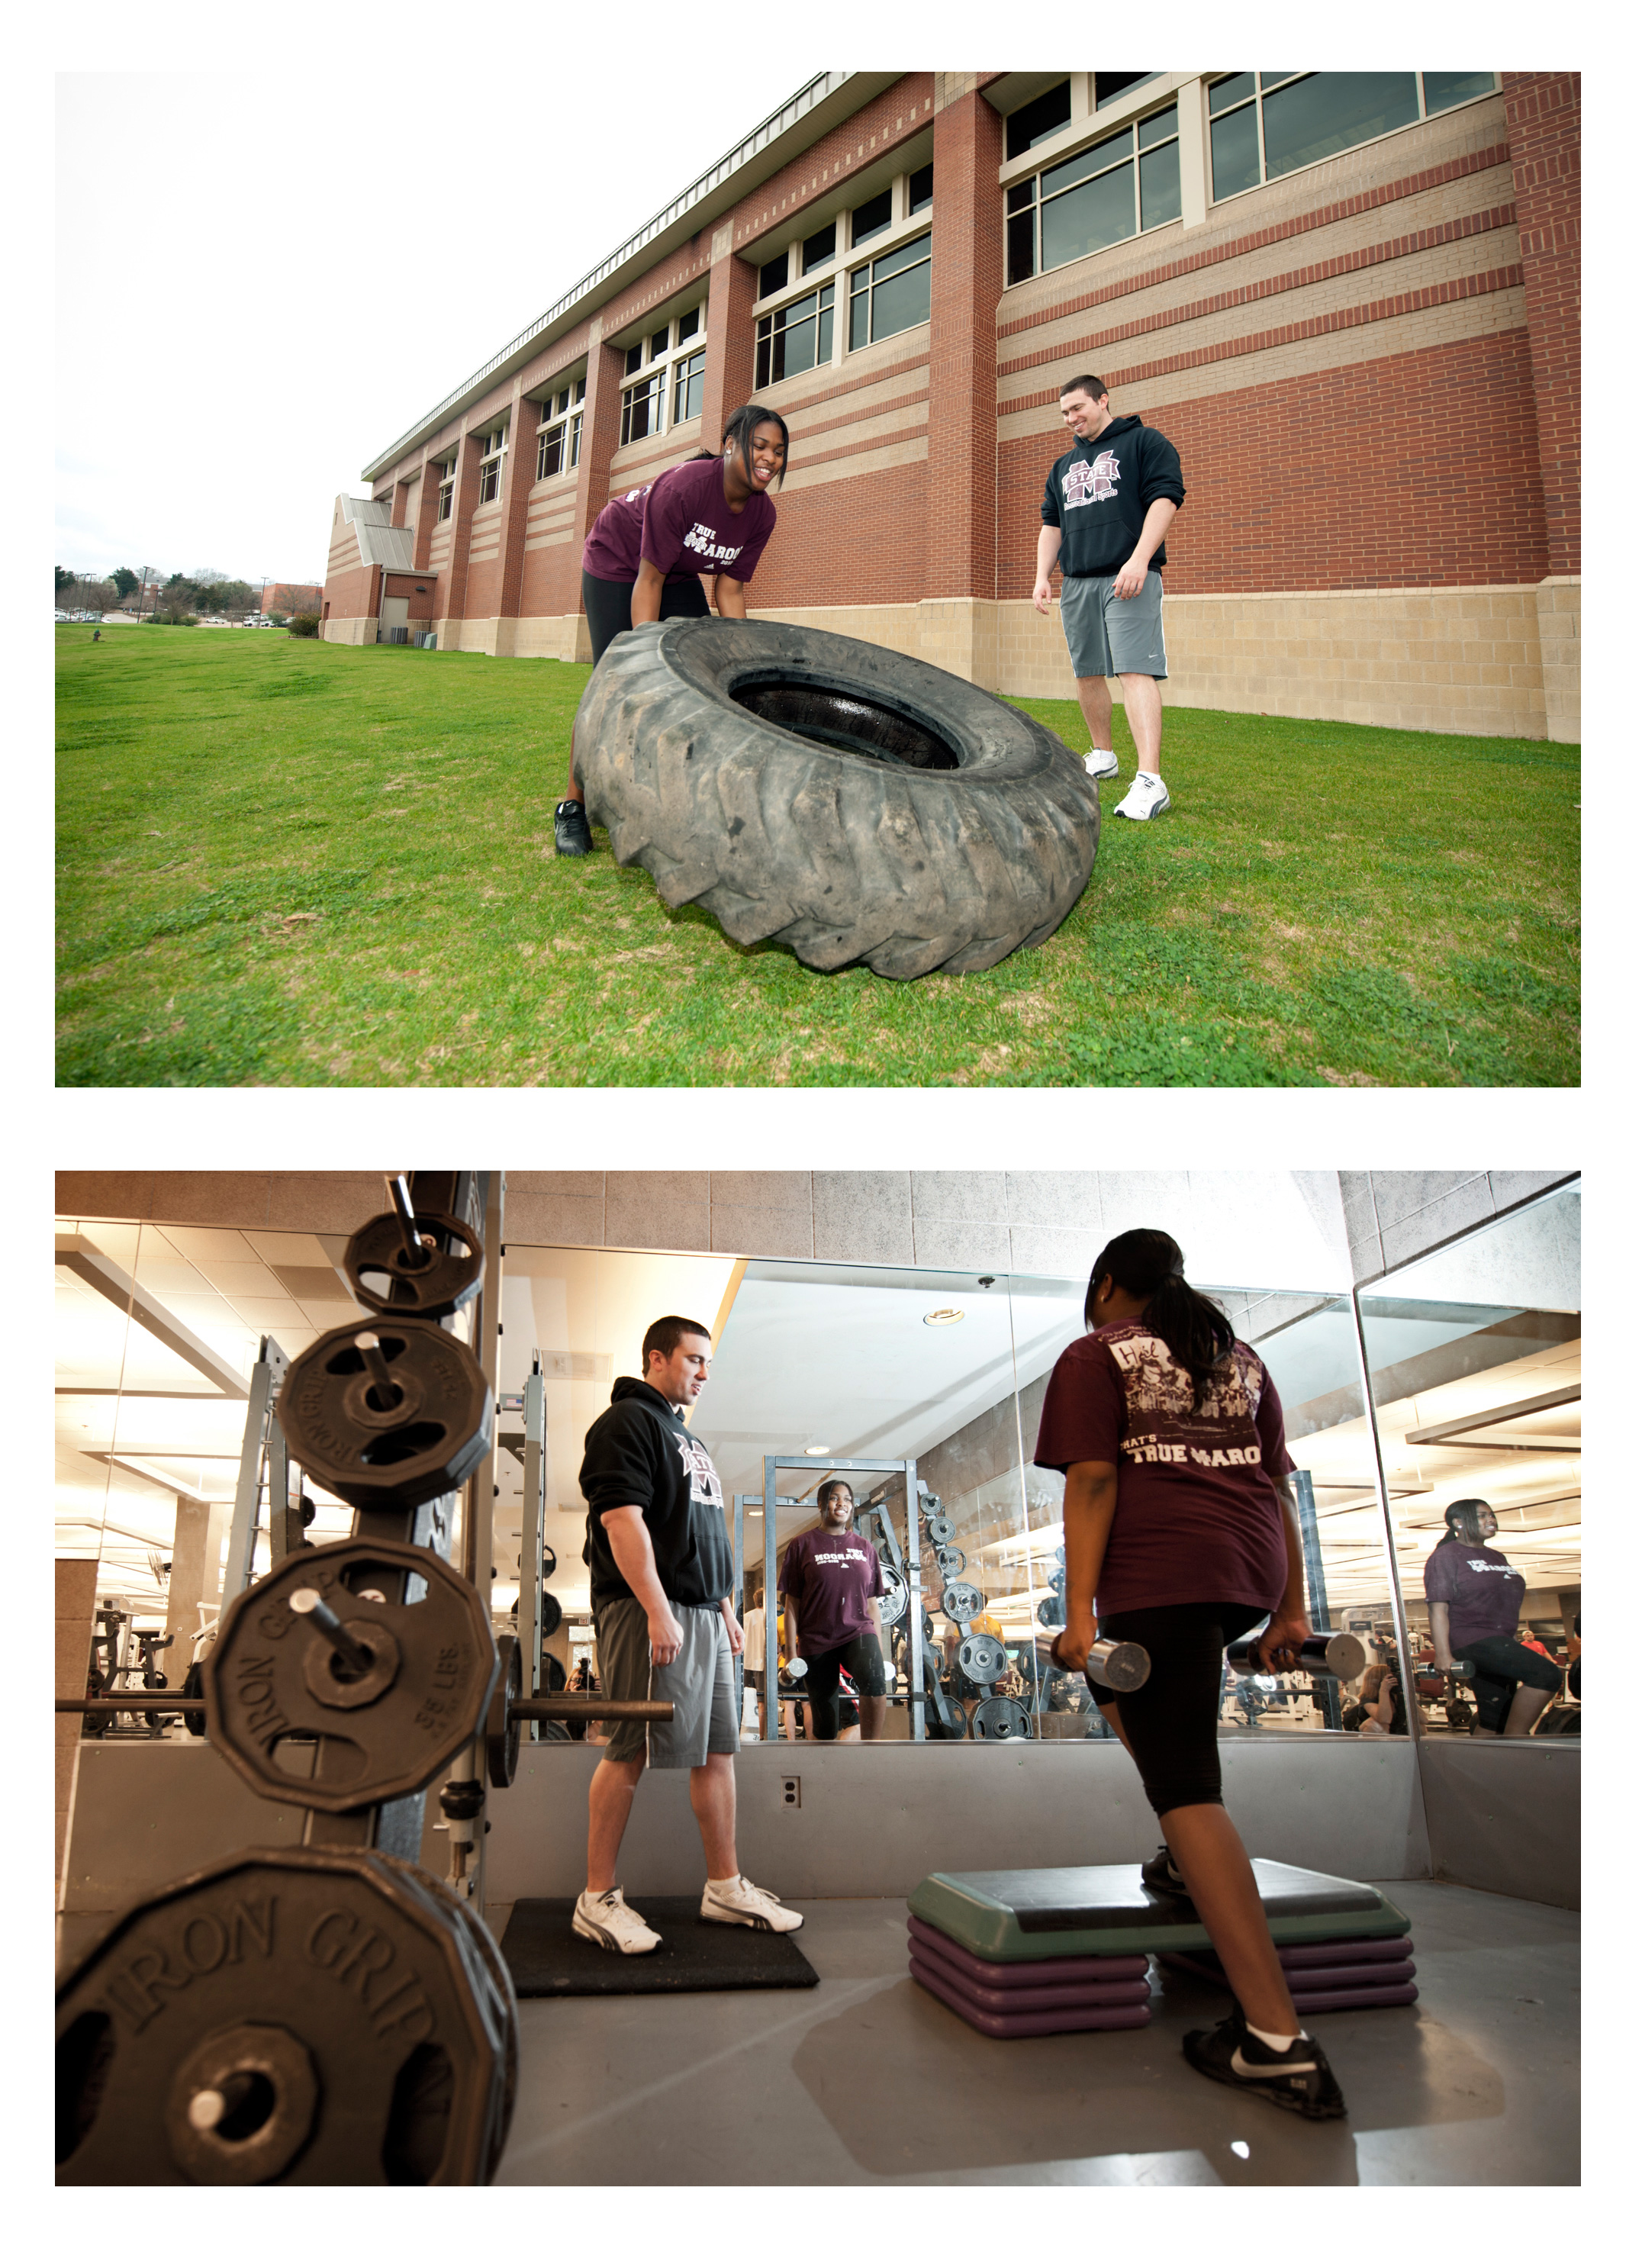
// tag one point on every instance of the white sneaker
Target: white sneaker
(608, 1920)
(741, 1902)
(1101, 763)
(1145, 799)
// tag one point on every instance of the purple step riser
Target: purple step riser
(1362, 1996)
(1348, 1974)
(1034, 2024)
(998, 2000)
(1083, 1968)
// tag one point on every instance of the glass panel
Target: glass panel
(772, 277)
(823, 330)
(1036, 120)
(1159, 185)
(902, 256)
(1109, 84)
(687, 392)
(1102, 213)
(1114, 148)
(901, 302)
(1159, 126)
(820, 248)
(658, 345)
(550, 456)
(858, 302)
(760, 368)
(921, 188)
(1333, 111)
(1235, 150)
(576, 440)
(1020, 261)
(1443, 89)
(1275, 79)
(689, 325)
(1020, 197)
(1474, 1358)
(870, 219)
(635, 359)
(1228, 91)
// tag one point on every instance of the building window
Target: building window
(1124, 183)
(1036, 120)
(870, 219)
(689, 325)
(1264, 124)
(819, 249)
(447, 491)
(772, 277)
(920, 190)
(688, 378)
(641, 407)
(891, 294)
(794, 338)
(491, 449)
(635, 360)
(1109, 85)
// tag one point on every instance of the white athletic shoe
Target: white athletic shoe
(1145, 799)
(755, 1908)
(608, 1920)
(1101, 763)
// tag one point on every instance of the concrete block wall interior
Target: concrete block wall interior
(890, 1320)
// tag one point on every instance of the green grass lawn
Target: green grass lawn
(289, 863)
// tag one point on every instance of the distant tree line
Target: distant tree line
(182, 599)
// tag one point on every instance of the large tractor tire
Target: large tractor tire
(834, 797)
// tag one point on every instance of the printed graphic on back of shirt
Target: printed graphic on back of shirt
(1093, 483)
(1161, 1426)
(705, 1486)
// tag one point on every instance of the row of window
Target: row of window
(1261, 125)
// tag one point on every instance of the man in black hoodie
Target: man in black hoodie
(661, 1582)
(1107, 507)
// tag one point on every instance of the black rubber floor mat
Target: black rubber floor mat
(547, 1957)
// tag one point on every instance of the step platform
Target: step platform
(1064, 1948)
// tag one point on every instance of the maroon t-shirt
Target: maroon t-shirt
(682, 524)
(1197, 1517)
(832, 1577)
(1483, 1591)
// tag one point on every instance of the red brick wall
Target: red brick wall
(855, 542)
(1409, 469)
(1542, 115)
(966, 283)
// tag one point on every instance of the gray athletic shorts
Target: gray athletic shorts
(700, 1684)
(1108, 636)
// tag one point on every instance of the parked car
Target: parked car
(60, 617)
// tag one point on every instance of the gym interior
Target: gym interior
(898, 1331)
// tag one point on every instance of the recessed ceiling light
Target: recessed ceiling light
(818, 1449)
(945, 1316)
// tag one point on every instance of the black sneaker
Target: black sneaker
(1161, 1877)
(1295, 2078)
(572, 837)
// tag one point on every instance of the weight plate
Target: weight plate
(928, 1502)
(950, 1560)
(194, 1719)
(503, 1729)
(302, 2016)
(941, 1529)
(395, 1279)
(375, 1452)
(960, 1602)
(493, 1975)
(550, 1560)
(893, 1605)
(1052, 1611)
(982, 1658)
(272, 1678)
(929, 1625)
(552, 1614)
(1002, 1720)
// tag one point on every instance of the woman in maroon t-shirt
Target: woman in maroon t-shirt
(647, 553)
(1180, 1522)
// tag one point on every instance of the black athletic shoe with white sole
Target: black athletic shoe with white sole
(572, 837)
(1163, 1879)
(1296, 2078)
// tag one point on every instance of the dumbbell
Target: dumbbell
(797, 1670)
(1324, 1654)
(1118, 1664)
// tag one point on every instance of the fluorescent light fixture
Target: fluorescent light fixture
(938, 1315)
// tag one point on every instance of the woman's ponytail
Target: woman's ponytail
(1147, 1263)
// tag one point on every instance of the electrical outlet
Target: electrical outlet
(791, 1791)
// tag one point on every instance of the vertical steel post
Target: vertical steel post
(1316, 1588)
(1411, 1699)
(915, 1602)
(772, 1702)
(530, 1529)
(268, 1375)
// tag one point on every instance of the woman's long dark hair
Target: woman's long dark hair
(1147, 1263)
(741, 428)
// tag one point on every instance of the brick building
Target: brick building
(292, 598)
(1350, 299)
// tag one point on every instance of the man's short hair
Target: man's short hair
(1095, 387)
(664, 1334)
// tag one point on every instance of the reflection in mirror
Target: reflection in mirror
(1474, 1358)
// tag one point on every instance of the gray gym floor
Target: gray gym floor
(868, 2079)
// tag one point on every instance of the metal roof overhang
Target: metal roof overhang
(824, 102)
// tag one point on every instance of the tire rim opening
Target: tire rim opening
(837, 719)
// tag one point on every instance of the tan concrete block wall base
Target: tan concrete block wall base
(1485, 660)
(349, 630)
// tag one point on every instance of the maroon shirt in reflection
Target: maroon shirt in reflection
(1197, 1517)
(683, 525)
(1483, 1591)
(832, 1577)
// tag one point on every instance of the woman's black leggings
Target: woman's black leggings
(609, 606)
(1172, 1721)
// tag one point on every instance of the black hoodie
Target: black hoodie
(641, 1452)
(1098, 493)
